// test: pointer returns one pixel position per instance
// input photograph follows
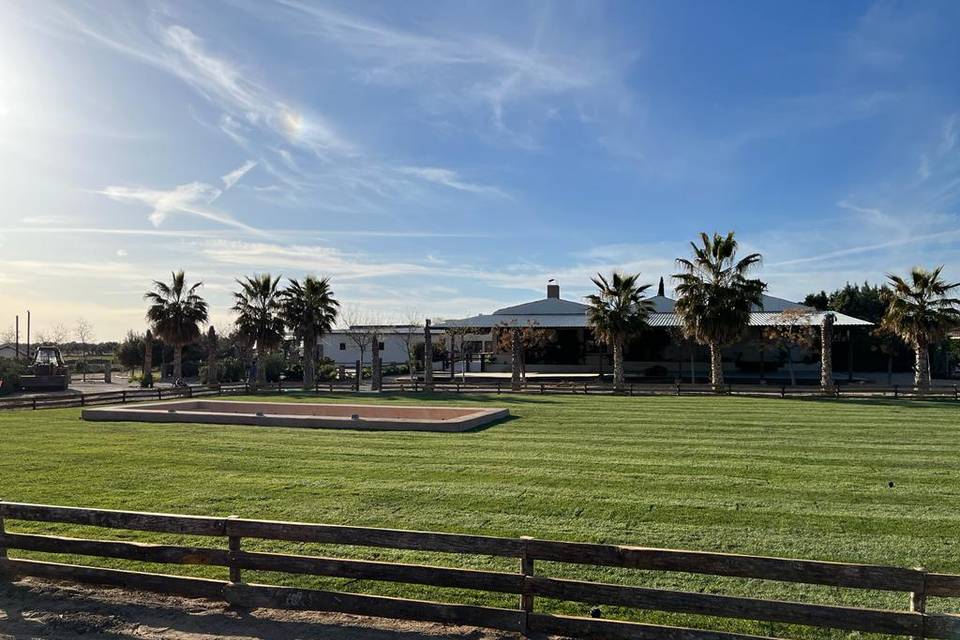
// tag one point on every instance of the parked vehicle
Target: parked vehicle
(48, 371)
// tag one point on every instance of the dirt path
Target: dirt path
(54, 611)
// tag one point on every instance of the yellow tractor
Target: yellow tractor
(48, 371)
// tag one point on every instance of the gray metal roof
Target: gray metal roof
(545, 307)
(555, 313)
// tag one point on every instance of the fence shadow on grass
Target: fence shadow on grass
(50, 611)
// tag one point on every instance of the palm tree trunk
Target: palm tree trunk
(693, 363)
(177, 362)
(261, 368)
(515, 361)
(921, 370)
(716, 366)
(617, 365)
(793, 375)
(309, 360)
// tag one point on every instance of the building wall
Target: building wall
(394, 349)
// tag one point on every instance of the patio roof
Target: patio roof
(556, 313)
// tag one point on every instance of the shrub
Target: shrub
(274, 364)
(293, 372)
(10, 372)
(232, 370)
(327, 370)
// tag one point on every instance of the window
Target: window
(379, 346)
(343, 346)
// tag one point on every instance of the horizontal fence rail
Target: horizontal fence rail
(62, 401)
(525, 583)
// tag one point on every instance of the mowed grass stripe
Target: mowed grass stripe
(793, 478)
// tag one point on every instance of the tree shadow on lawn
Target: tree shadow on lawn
(911, 403)
(486, 398)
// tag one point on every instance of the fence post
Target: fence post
(918, 604)
(82, 402)
(34, 403)
(678, 389)
(783, 391)
(234, 542)
(896, 390)
(584, 388)
(189, 392)
(3, 532)
(956, 393)
(526, 598)
(837, 387)
(498, 388)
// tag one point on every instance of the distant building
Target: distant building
(660, 351)
(9, 350)
(340, 345)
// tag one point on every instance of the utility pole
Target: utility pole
(28, 334)
(16, 338)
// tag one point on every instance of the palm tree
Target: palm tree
(920, 311)
(618, 311)
(257, 305)
(309, 310)
(175, 314)
(715, 295)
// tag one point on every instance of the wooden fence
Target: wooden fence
(912, 621)
(60, 401)
(681, 389)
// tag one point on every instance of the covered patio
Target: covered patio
(564, 345)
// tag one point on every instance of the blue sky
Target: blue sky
(447, 158)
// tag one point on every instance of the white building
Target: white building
(341, 345)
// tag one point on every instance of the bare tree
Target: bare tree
(58, 334)
(411, 333)
(454, 333)
(9, 335)
(794, 330)
(532, 338)
(83, 331)
(362, 328)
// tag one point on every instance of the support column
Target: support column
(213, 367)
(147, 379)
(516, 349)
(453, 355)
(826, 353)
(427, 357)
(849, 356)
(375, 365)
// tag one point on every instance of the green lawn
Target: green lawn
(792, 478)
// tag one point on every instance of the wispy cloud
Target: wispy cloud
(489, 71)
(234, 176)
(451, 179)
(192, 199)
